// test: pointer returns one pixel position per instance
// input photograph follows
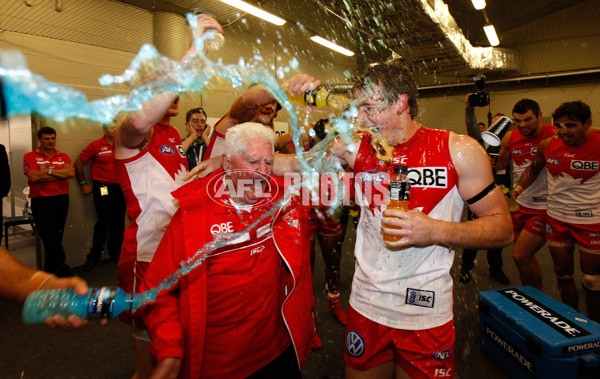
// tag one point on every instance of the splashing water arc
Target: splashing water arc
(150, 74)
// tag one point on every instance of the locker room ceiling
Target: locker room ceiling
(537, 37)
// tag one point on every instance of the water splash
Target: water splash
(150, 74)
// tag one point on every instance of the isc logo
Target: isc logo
(442, 373)
(585, 165)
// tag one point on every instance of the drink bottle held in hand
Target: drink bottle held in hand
(399, 192)
(212, 39)
(318, 97)
(513, 206)
(101, 302)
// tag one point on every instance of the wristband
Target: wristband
(50, 171)
(518, 189)
(36, 282)
(82, 182)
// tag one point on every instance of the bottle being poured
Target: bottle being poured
(101, 302)
(318, 97)
(212, 39)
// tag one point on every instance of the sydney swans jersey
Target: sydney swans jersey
(522, 150)
(409, 288)
(574, 181)
(147, 180)
(216, 145)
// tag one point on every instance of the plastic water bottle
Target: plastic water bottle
(399, 192)
(212, 39)
(100, 302)
(318, 97)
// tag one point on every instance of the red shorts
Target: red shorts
(530, 220)
(425, 353)
(320, 221)
(563, 233)
(129, 278)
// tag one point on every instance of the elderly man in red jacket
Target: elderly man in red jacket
(247, 309)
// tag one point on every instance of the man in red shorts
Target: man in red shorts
(573, 165)
(400, 314)
(528, 222)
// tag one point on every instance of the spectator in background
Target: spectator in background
(48, 171)
(108, 197)
(494, 256)
(573, 214)
(198, 136)
(520, 146)
(4, 183)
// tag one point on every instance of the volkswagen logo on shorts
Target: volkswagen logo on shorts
(355, 345)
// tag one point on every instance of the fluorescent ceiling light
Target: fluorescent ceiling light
(490, 32)
(255, 11)
(478, 4)
(331, 45)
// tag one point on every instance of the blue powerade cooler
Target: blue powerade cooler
(531, 335)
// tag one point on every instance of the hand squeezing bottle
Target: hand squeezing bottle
(101, 302)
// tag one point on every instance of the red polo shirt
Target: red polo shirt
(36, 160)
(100, 152)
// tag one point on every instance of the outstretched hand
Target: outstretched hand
(301, 83)
(205, 22)
(81, 288)
(204, 169)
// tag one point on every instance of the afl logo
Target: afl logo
(553, 161)
(442, 355)
(548, 229)
(373, 177)
(355, 345)
(220, 187)
(167, 150)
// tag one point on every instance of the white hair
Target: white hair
(237, 137)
